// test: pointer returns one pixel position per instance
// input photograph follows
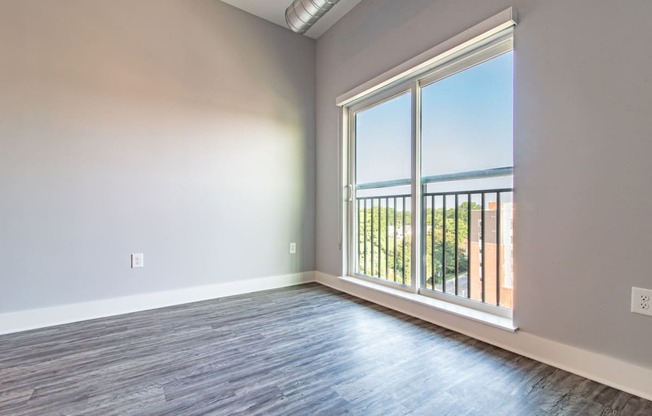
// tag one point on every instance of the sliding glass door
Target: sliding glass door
(430, 173)
(382, 179)
(466, 172)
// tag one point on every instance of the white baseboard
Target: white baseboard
(57, 315)
(604, 369)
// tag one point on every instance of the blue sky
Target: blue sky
(466, 125)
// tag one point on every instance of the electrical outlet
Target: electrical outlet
(293, 248)
(137, 260)
(642, 301)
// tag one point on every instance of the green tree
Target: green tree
(384, 243)
(434, 238)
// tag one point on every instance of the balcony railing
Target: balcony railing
(466, 238)
(384, 231)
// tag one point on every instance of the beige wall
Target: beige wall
(183, 129)
(583, 96)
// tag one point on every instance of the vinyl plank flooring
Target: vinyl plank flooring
(305, 350)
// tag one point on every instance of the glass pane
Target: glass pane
(383, 135)
(467, 130)
(383, 210)
(467, 120)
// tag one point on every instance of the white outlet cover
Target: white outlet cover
(137, 260)
(293, 248)
(642, 301)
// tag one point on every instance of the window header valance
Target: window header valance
(431, 58)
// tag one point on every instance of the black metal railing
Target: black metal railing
(462, 237)
(384, 237)
(464, 247)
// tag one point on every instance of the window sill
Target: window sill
(500, 322)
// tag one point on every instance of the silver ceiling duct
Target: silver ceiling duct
(302, 14)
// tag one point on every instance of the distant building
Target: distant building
(503, 253)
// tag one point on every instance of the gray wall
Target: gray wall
(583, 97)
(183, 129)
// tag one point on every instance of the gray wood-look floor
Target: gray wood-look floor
(304, 350)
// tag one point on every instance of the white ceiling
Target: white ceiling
(274, 11)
